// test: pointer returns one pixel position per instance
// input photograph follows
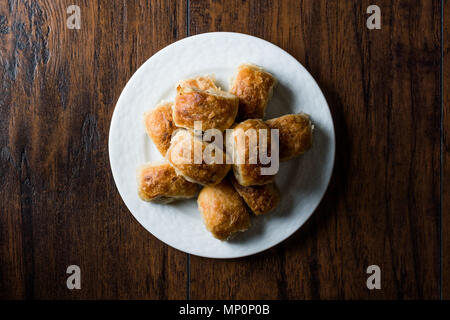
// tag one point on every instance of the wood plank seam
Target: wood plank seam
(441, 149)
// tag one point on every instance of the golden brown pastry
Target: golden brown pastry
(159, 125)
(223, 210)
(254, 88)
(260, 199)
(202, 83)
(246, 172)
(159, 182)
(181, 156)
(295, 134)
(215, 109)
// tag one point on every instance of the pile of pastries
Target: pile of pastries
(230, 192)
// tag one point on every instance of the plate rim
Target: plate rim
(220, 33)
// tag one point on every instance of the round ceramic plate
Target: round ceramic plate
(302, 181)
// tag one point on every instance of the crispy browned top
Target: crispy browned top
(295, 134)
(250, 174)
(161, 181)
(260, 199)
(254, 87)
(181, 156)
(159, 126)
(215, 109)
(223, 210)
(202, 83)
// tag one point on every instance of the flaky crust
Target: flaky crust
(159, 126)
(295, 134)
(260, 199)
(253, 86)
(223, 210)
(160, 183)
(249, 174)
(201, 83)
(184, 143)
(215, 109)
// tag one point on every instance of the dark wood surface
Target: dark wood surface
(59, 201)
(446, 151)
(384, 206)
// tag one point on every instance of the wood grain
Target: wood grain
(382, 206)
(446, 152)
(59, 205)
(59, 202)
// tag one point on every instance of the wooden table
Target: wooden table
(387, 204)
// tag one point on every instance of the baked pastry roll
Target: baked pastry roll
(295, 134)
(201, 83)
(253, 86)
(159, 125)
(215, 109)
(193, 167)
(158, 182)
(260, 199)
(223, 210)
(246, 171)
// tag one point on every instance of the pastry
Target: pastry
(215, 109)
(193, 167)
(181, 131)
(201, 83)
(260, 199)
(253, 86)
(223, 210)
(159, 126)
(159, 182)
(295, 134)
(246, 171)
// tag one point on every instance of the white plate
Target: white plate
(302, 181)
